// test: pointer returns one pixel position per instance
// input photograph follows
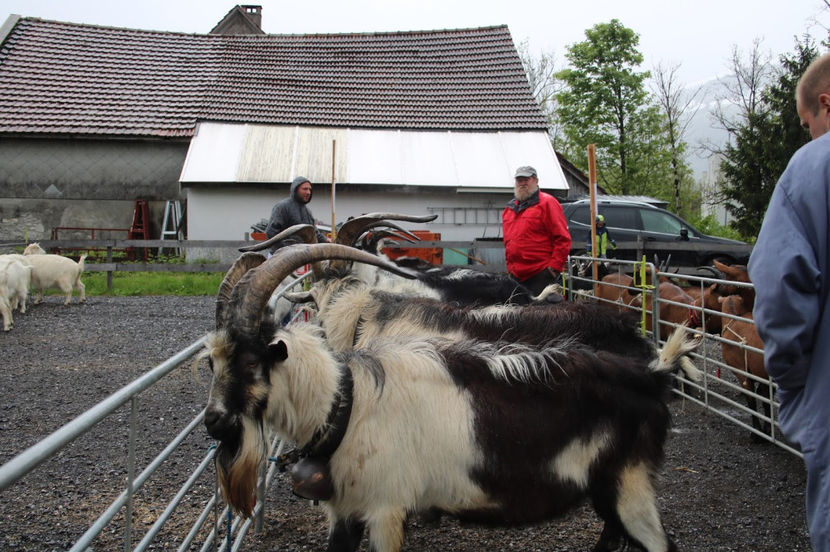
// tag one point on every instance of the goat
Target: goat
(490, 432)
(351, 313)
(737, 273)
(55, 272)
(616, 288)
(707, 298)
(19, 276)
(706, 301)
(676, 307)
(459, 284)
(742, 330)
(15, 277)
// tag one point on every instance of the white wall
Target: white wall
(229, 212)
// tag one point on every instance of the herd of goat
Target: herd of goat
(39, 271)
(722, 308)
(441, 390)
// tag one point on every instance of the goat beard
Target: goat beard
(237, 468)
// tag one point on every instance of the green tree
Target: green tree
(605, 102)
(762, 144)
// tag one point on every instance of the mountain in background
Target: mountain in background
(703, 132)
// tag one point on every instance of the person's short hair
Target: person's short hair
(814, 81)
(525, 172)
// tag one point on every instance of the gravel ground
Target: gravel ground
(718, 491)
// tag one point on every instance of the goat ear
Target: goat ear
(278, 350)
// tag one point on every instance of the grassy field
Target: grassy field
(153, 283)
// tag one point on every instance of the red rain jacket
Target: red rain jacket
(536, 237)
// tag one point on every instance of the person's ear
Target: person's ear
(824, 103)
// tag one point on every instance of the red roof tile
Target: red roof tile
(83, 79)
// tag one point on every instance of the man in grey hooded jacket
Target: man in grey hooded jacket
(292, 210)
(790, 267)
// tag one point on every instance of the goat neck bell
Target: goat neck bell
(310, 476)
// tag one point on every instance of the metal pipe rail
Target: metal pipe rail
(35, 455)
(25, 462)
(716, 393)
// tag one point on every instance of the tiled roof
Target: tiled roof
(83, 79)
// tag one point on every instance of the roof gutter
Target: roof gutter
(7, 27)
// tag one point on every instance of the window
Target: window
(657, 221)
(580, 214)
(621, 217)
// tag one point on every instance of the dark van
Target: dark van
(639, 228)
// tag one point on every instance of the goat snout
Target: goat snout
(221, 425)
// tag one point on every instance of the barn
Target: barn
(95, 119)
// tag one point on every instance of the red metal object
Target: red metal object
(140, 227)
(433, 255)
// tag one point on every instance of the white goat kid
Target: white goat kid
(15, 277)
(55, 272)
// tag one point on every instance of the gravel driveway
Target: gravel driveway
(719, 491)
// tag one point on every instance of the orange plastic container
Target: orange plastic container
(433, 255)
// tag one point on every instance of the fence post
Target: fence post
(109, 272)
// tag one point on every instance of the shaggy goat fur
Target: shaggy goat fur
(353, 314)
(489, 432)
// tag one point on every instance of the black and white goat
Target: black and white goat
(458, 284)
(352, 313)
(491, 432)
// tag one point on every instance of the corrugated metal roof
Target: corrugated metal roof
(462, 160)
(68, 78)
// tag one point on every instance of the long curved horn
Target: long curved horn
(298, 296)
(251, 294)
(402, 232)
(306, 232)
(370, 244)
(235, 273)
(350, 230)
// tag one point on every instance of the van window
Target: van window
(580, 214)
(621, 217)
(657, 221)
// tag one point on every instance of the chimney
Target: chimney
(254, 13)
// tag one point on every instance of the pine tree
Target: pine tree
(763, 143)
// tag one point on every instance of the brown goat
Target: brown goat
(669, 313)
(737, 273)
(745, 361)
(615, 289)
(706, 298)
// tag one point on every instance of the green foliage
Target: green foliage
(605, 103)
(153, 283)
(763, 143)
(708, 225)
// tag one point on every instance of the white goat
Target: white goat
(15, 277)
(55, 272)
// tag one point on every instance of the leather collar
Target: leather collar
(329, 436)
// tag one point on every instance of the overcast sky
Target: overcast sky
(697, 34)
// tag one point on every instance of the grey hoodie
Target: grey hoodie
(288, 212)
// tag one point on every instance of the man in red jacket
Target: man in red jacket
(536, 237)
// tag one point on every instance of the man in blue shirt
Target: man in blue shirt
(790, 267)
